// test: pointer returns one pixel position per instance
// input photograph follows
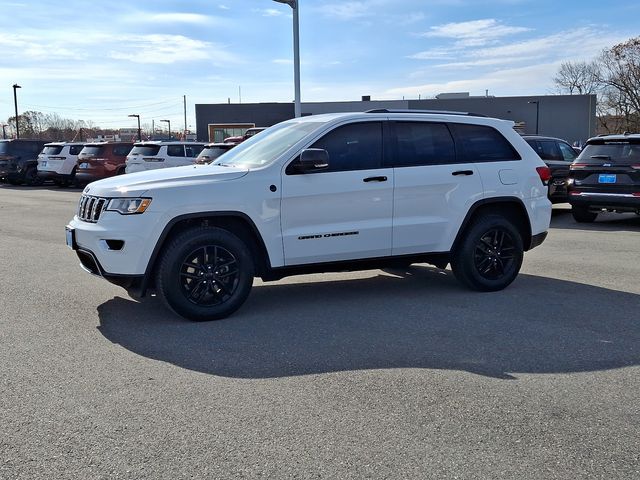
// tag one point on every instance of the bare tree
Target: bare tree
(581, 78)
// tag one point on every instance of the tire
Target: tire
(583, 215)
(490, 254)
(195, 275)
(31, 177)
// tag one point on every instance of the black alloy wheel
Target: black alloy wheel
(209, 275)
(205, 273)
(495, 254)
(489, 254)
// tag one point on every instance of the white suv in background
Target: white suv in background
(152, 155)
(57, 162)
(321, 193)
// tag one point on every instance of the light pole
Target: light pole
(169, 122)
(296, 53)
(4, 133)
(138, 117)
(537, 102)
(15, 101)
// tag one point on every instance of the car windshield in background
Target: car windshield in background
(52, 150)
(261, 150)
(621, 152)
(93, 150)
(145, 150)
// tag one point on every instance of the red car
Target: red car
(239, 139)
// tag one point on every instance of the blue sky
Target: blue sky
(101, 61)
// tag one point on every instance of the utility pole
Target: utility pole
(185, 116)
(15, 101)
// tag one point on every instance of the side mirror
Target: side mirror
(313, 159)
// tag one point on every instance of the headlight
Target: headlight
(128, 206)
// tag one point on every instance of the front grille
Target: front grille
(90, 208)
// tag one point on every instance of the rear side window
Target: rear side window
(549, 150)
(93, 150)
(481, 143)
(422, 143)
(357, 146)
(620, 152)
(52, 150)
(175, 150)
(145, 150)
(122, 150)
(75, 149)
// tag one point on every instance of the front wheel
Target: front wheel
(31, 177)
(490, 254)
(583, 215)
(205, 273)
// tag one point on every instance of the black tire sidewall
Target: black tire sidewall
(168, 273)
(463, 264)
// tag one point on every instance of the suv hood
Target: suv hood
(135, 184)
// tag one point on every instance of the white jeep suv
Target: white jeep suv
(57, 162)
(321, 193)
(155, 154)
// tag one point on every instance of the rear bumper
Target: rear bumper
(623, 202)
(89, 176)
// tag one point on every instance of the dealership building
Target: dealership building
(570, 117)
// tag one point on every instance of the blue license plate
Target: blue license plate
(607, 178)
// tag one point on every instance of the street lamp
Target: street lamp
(537, 102)
(169, 122)
(138, 117)
(4, 133)
(15, 101)
(296, 53)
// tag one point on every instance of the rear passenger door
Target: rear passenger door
(175, 156)
(434, 187)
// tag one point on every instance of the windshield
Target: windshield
(52, 150)
(145, 150)
(621, 152)
(261, 150)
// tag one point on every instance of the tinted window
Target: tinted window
(75, 149)
(175, 150)
(122, 150)
(483, 144)
(568, 153)
(211, 153)
(4, 148)
(549, 150)
(145, 150)
(421, 143)
(93, 150)
(52, 150)
(622, 152)
(193, 150)
(357, 146)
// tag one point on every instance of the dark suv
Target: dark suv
(558, 155)
(606, 177)
(19, 161)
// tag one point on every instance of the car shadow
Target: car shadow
(416, 318)
(628, 222)
(46, 186)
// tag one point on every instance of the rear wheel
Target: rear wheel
(205, 273)
(582, 214)
(490, 255)
(31, 177)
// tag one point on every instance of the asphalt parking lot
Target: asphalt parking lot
(377, 374)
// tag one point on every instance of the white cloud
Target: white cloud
(167, 49)
(175, 17)
(346, 10)
(475, 32)
(271, 12)
(223, 7)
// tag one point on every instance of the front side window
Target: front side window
(481, 143)
(422, 143)
(357, 146)
(4, 148)
(175, 150)
(192, 151)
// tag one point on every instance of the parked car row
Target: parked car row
(32, 162)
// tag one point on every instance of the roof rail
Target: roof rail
(437, 112)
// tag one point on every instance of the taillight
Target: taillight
(100, 159)
(635, 167)
(544, 173)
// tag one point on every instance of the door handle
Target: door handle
(462, 172)
(375, 179)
